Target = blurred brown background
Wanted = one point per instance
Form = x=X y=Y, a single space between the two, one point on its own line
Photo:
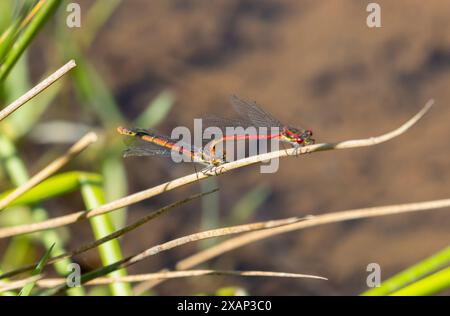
x=311 y=63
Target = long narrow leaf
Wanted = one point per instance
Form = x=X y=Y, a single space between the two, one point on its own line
x=53 y=187
x=246 y=206
x=27 y=288
x=115 y=185
x=7 y=39
x=17 y=125
x=18 y=173
x=431 y=285
x=110 y=251
x=29 y=33
x=156 y=111
x=416 y=272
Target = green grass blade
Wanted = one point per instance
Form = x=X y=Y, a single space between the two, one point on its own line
x=89 y=84
x=115 y=185
x=7 y=293
x=16 y=170
x=431 y=285
x=210 y=210
x=93 y=196
x=11 y=162
x=231 y=291
x=7 y=39
x=19 y=251
x=6 y=14
x=113 y=266
x=246 y=206
x=15 y=21
x=44 y=14
x=157 y=110
x=15 y=85
x=98 y=14
x=93 y=91
x=54 y=186
x=413 y=273
x=38 y=270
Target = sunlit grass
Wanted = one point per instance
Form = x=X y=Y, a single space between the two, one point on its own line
x=104 y=178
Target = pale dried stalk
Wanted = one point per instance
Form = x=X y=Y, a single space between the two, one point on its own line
x=308 y=221
x=245 y=239
x=145 y=194
x=12 y=285
x=37 y=89
x=109 y=237
x=52 y=282
x=179 y=242
x=206 y=235
x=50 y=169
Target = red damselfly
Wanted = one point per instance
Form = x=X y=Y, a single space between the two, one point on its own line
x=151 y=143
x=252 y=115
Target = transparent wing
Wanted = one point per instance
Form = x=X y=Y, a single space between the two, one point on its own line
x=223 y=123
x=252 y=112
x=139 y=147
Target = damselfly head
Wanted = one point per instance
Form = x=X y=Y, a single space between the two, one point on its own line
x=299 y=136
x=307 y=140
x=126 y=131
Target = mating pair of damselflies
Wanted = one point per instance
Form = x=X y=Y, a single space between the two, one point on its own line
x=151 y=143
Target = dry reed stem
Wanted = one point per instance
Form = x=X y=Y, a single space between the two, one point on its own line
x=182 y=241
x=145 y=194
x=270 y=228
x=52 y=282
x=208 y=234
x=50 y=169
x=17 y=284
x=37 y=89
x=245 y=239
x=308 y=221
x=109 y=237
